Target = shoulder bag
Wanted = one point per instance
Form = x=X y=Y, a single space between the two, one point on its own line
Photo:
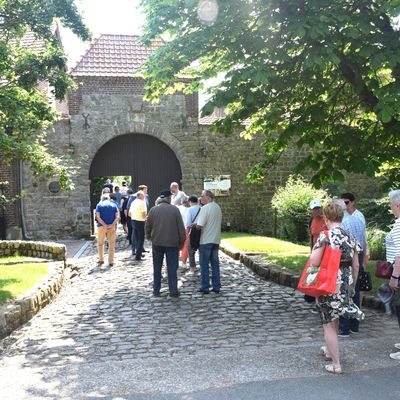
x=384 y=269
x=364 y=280
x=321 y=280
x=194 y=234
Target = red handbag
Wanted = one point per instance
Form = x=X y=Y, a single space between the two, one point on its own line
x=384 y=269
x=321 y=280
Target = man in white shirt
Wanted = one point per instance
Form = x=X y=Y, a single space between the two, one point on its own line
x=138 y=214
x=178 y=196
x=209 y=221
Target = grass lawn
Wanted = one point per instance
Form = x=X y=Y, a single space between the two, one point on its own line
x=285 y=254
x=261 y=244
x=15 y=279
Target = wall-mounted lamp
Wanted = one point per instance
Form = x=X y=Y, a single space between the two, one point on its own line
x=203 y=152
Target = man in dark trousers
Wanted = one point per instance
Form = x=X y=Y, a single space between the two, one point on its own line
x=165 y=228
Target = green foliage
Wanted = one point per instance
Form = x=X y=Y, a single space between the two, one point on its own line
x=291 y=203
x=323 y=75
x=376 y=212
x=4 y=201
x=376 y=243
x=25 y=112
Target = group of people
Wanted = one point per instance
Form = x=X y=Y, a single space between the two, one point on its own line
x=340 y=313
x=166 y=225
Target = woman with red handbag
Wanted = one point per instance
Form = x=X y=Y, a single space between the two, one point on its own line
x=340 y=303
x=393 y=254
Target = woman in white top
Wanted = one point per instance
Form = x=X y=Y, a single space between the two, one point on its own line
x=393 y=253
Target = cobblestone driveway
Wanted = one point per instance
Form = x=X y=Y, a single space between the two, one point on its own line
x=110 y=314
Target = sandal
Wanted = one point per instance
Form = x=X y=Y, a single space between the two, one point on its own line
x=332 y=369
x=324 y=351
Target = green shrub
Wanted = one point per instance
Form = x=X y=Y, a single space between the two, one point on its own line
x=376 y=243
x=376 y=212
x=291 y=203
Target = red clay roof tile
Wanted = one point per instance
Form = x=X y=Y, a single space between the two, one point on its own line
x=114 y=55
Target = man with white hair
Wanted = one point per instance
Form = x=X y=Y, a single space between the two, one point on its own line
x=107 y=218
x=178 y=196
x=209 y=221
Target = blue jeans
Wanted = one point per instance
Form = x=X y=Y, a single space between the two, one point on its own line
x=138 y=229
x=209 y=255
x=345 y=325
x=172 y=256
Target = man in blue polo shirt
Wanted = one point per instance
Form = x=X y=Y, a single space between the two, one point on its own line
x=107 y=219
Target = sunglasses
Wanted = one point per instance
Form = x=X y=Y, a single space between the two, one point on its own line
x=346 y=202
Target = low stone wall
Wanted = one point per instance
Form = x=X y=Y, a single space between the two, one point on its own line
x=15 y=313
x=282 y=276
x=48 y=250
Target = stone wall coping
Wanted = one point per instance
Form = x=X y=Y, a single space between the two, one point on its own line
x=15 y=313
x=48 y=250
x=281 y=275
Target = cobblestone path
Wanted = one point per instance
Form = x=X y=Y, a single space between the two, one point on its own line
x=106 y=330
x=110 y=313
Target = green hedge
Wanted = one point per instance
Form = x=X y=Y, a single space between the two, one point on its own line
x=291 y=203
x=376 y=243
x=376 y=212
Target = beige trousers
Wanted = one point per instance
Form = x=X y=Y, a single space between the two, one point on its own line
x=102 y=234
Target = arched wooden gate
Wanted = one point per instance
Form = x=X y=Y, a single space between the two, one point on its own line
x=145 y=158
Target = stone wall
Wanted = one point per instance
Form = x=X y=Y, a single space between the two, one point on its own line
x=19 y=311
x=48 y=250
x=114 y=107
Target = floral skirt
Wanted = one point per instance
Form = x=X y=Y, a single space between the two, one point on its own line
x=339 y=304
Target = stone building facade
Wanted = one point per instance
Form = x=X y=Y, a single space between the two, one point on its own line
x=106 y=107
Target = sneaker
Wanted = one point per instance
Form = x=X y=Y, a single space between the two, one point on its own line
x=397 y=345
x=354 y=331
x=343 y=334
x=395 y=356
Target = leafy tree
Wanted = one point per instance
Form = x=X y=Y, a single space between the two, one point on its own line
x=25 y=112
x=317 y=74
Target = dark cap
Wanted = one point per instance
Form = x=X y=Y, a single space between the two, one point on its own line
x=165 y=193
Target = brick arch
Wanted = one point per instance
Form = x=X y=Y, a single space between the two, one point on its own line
x=145 y=158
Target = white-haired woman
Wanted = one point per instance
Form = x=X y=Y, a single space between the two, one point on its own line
x=393 y=253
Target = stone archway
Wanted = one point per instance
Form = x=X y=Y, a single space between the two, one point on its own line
x=145 y=158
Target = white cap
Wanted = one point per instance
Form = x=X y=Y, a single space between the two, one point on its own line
x=314 y=204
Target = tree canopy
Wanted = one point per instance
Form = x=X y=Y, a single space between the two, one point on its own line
x=323 y=75
x=25 y=111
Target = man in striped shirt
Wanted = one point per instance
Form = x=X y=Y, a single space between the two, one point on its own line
x=354 y=223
